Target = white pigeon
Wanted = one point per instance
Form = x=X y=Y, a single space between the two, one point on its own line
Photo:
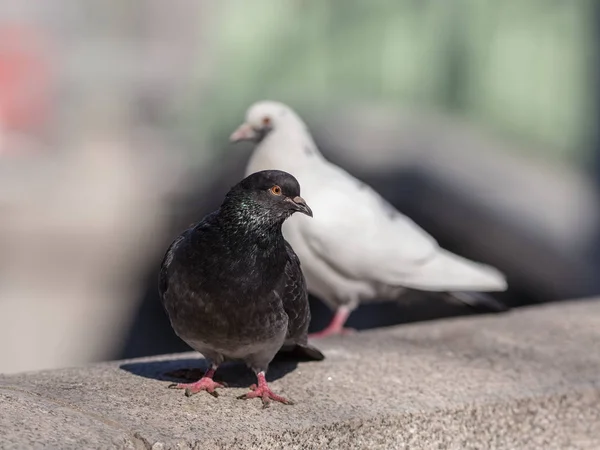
x=357 y=247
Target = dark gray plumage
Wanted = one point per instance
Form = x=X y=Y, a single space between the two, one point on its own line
x=233 y=287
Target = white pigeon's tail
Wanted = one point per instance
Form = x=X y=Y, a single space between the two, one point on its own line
x=477 y=301
x=449 y=272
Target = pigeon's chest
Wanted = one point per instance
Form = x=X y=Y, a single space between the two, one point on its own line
x=227 y=303
x=237 y=276
x=230 y=323
x=247 y=282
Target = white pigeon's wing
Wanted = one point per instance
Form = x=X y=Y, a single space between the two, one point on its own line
x=363 y=237
x=358 y=232
x=449 y=272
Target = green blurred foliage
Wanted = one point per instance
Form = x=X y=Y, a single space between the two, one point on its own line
x=519 y=67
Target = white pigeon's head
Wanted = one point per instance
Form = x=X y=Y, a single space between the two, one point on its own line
x=264 y=117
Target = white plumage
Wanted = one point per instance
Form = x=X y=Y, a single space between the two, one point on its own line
x=357 y=247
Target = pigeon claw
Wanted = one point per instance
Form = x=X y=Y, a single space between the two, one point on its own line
x=265 y=394
x=204 y=384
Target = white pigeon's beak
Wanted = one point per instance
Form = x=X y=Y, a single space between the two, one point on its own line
x=244 y=133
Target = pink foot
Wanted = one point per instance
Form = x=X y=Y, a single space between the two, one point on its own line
x=336 y=327
x=264 y=392
x=206 y=383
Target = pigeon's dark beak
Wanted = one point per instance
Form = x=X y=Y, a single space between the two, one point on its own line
x=300 y=205
x=244 y=133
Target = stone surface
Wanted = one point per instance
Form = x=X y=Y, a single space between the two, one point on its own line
x=527 y=379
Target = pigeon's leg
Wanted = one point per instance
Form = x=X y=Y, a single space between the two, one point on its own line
x=336 y=326
x=206 y=383
x=264 y=392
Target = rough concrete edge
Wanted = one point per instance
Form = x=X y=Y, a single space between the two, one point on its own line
x=375 y=431
x=129 y=436
x=515 y=417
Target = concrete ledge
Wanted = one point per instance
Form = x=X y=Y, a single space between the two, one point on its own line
x=528 y=379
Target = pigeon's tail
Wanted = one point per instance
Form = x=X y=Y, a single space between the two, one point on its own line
x=302 y=352
x=449 y=272
x=478 y=301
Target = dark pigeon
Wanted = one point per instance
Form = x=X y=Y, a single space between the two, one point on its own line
x=232 y=285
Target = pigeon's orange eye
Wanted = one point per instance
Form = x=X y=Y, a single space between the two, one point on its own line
x=276 y=190
x=266 y=121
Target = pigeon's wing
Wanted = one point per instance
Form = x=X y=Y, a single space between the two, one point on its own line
x=359 y=233
x=295 y=298
x=165 y=266
x=295 y=303
x=361 y=236
x=163 y=276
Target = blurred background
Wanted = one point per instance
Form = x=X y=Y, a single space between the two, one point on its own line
x=477 y=118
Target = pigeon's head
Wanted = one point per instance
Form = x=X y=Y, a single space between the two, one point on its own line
x=262 y=118
x=268 y=194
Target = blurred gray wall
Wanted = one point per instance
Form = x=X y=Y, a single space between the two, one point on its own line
x=477 y=118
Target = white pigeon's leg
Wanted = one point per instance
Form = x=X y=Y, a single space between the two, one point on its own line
x=206 y=383
x=264 y=392
x=336 y=326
